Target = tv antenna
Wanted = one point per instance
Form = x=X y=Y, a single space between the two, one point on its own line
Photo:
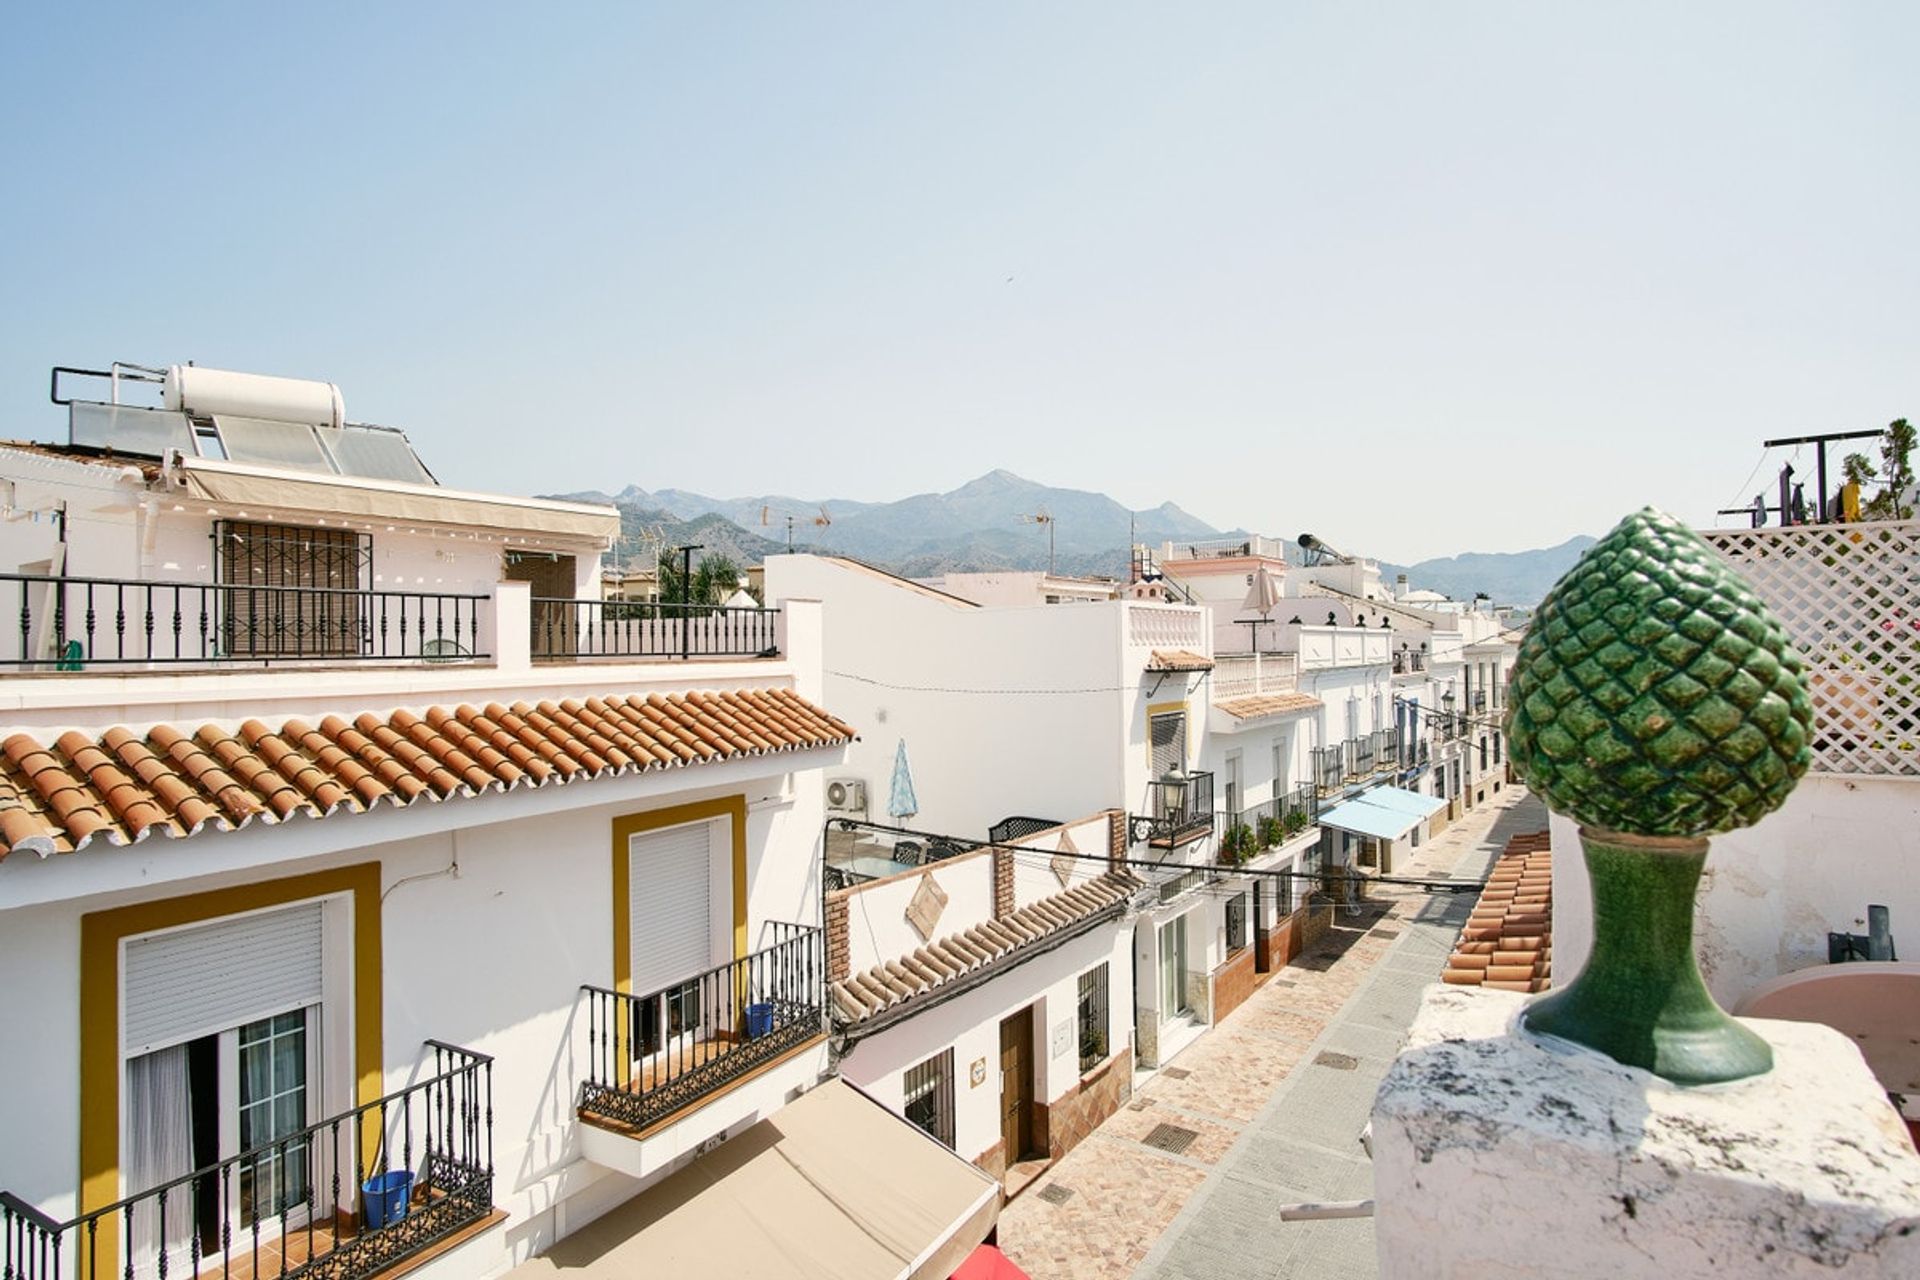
x=1042 y=517
x=820 y=521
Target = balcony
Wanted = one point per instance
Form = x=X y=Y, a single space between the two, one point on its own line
x=1243 y=675
x=1177 y=814
x=1283 y=818
x=72 y=625
x=1355 y=760
x=651 y=630
x=1409 y=662
x=351 y=1196
x=78 y=624
x=652 y=1057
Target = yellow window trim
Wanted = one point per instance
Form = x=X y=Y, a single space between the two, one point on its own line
x=625 y=828
x=101 y=933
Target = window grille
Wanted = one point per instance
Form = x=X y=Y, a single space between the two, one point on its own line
x=1093 y=1022
x=307 y=608
x=1236 y=923
x=1283 y=893
x=1169 y=734
x=929 y=1095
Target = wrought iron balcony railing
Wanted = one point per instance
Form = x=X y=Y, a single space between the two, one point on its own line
x=1283 y=818
x=72 y=624
x=345 y=1198
x=1176 y=814
x=651 y=1056
x=651 y=629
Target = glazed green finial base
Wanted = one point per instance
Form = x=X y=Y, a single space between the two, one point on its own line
x=1640 y=999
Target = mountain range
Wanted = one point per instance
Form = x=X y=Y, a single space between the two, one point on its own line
x=1001 y=521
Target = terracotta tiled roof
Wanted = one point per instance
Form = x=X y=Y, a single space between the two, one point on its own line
x=124 y=786
x=1508 y=941
x=1268 y=704
x=864 y=994
x=1178 y=660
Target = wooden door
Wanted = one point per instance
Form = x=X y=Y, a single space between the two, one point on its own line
x=1016 y=1082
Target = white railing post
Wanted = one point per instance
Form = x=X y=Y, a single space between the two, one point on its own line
x=508 y=631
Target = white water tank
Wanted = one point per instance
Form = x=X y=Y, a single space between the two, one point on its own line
x=207 y=392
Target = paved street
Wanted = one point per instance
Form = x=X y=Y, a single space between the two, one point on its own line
x=1274 y=1100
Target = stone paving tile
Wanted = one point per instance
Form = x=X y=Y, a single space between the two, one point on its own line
x=1212 y=1141
x=1123 y=1197
x=1127 y=1196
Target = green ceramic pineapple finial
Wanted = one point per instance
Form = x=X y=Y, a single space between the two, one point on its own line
x=1656 y=702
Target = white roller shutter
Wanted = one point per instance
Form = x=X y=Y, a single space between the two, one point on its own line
x=670 y=905
x=199 y=981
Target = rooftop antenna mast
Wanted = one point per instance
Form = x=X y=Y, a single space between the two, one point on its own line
x=820 y=521
x=1042 y=517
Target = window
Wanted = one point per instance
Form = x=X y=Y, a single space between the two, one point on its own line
x=1483 y=753
x=929 y=1096
x=1092 y=1018
x=1168 y=732
x=1233 y=785
x=273 y=1105
x=1496 y=746
x=1283 y=893
x=305 y=605
x=1236 y=923
x=1282 y=762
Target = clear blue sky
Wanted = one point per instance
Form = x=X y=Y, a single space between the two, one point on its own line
x=1422 y=278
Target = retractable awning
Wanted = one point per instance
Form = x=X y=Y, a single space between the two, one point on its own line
x=1384 y=813
x=833 y=1186
x=242 y=485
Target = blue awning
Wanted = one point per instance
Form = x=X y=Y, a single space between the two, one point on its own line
x=1385 y=813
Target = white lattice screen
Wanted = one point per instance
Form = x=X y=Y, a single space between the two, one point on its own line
x=1849 y=595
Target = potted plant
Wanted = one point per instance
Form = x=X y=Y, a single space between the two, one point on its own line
x=1296 y=822
x=1238 y=844
x=1271 y=831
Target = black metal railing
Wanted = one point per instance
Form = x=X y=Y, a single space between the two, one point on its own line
x=326 y=1200
x=651 y=629
x=70 y=624
x=1386 y=749
x=1176 y=814
x=652 y=1055
x=1360 y=756
x=1018 y=828
x=1276 y=821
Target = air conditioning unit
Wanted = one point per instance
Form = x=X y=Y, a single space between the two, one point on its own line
x=846 y=795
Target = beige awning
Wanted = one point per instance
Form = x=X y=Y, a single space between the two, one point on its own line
x=355 y=497
x=833 y=1187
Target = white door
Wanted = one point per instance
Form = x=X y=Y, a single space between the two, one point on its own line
x=670 y=899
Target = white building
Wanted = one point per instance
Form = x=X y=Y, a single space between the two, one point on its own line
x=371 y=892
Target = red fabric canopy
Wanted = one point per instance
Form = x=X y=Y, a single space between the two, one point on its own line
x=988 y=1263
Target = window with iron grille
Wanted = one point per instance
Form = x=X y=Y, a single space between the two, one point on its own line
x=1283 y=894
x=304 y=603
x=1169 y=737
x=1236 y=923
x=929 y=1095
x=1092 y=1018
x=1483 y=753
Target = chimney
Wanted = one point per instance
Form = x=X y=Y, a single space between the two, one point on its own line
x=1400 y=586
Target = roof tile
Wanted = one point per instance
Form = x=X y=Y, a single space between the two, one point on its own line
x=125 y=784
x=1507 y=943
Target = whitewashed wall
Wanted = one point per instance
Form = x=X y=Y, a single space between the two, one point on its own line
x=970 y=1024
x=877 y=926
x=1004 y=711
x=1773 y=891
x=491 y=959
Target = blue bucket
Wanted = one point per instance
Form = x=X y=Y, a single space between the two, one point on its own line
x=386 y=1196
x=759 y=1020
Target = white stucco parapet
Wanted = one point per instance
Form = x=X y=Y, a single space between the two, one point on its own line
x=1497 y=1153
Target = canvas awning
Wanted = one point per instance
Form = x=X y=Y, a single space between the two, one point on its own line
x=1384 y=813
x=833 y=1186
x=238 y=485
